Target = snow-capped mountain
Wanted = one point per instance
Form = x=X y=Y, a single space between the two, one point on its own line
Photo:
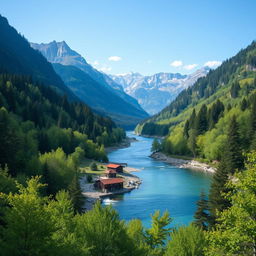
x=93 y=87
x=157 y=91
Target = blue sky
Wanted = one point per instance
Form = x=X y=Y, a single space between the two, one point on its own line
x=146 y=36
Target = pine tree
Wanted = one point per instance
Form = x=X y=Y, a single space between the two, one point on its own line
x=201 y=124
x=76 y=194
x=192 y=142
x=201 y=215
x=186 y=129
x=244 y=104
x=215 y=113
x=192 y=120
x=217 y=201
x=233 y=152
x=235 y=231
x=253 y=117
x=234 y=91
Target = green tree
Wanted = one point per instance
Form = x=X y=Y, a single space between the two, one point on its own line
x=215 y=113
x=234 y=91
x=201 y=124
x=192 y=141
x=244 y=104
x=192 y=120
x=62 y=214
x=186 y=241
x=101 y=231
x=157 y=234
x=93 y=166
x=75 y=194
x=235 y=233
x=59 y=170
x=29 y=227
x=136 y=232
x=186 y=129
x=217 y=200
x=156 y=145
x=233 y=152
x=9 y=141
x=201 y=215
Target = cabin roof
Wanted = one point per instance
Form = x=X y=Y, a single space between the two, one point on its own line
x=111 y=181
x=113 y=165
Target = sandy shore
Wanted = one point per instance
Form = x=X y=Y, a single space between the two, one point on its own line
x=92 y=196
x=124 y=144
x=181 y=163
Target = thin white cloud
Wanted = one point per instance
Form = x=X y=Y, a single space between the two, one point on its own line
x=105 y=69
x=212 y=63
x=95 y=63
x=176 y=63
x=190 y=66
x=114 y=58
x=149 y=61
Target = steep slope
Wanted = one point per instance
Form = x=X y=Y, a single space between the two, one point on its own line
x=93 y=87
x=157 y=91
x=16 y=56
x=99 y=97
x=198 y=119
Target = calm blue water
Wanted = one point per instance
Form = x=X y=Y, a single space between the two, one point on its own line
x=163 y=186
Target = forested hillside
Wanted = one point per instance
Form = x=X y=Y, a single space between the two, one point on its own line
x=17 y=56
x=101 y=98
x=35 y=119
x=197 y=122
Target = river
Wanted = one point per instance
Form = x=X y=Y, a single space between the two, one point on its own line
x=164 y=187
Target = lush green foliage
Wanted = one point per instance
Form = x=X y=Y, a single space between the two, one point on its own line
x=201 y=216
x=199 y=119
x=38 y=225
x=156 y=145
x=235 y=233
x=35 y=119
x=187 y=241
x=32 y=224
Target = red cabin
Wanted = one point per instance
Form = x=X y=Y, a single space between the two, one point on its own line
x=109 y=185
x=115 y=167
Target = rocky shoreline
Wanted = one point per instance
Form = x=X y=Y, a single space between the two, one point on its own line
x=181 y=163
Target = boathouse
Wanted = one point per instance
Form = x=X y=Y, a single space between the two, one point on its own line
x=115 y=167
x=110 y=185
x=110 y=173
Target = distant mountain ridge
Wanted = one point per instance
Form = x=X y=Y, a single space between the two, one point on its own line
x=233 y=83
x=16 y=56
x=157 y=91
x=93 y=87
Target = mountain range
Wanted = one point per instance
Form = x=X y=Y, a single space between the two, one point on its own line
x=93 y=87
x=233 y=84
x=156 y=91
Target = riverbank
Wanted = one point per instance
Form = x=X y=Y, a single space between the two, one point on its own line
x=124 y=144
x=182 y=163
x=92 y=195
